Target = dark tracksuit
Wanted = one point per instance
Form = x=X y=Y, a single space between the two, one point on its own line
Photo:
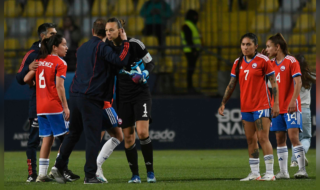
x=91 y=86
x=34 y=139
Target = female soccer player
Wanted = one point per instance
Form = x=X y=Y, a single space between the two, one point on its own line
x=52 y=107
x=308 y=78
x=288 y=77
x=251 y=69
x=134 y=100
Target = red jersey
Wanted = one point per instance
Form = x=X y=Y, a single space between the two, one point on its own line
x=48 y=101
x=254 y=93
x=285 y=72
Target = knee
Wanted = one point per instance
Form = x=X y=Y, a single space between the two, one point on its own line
x=263 y=139
x=143 y=134
x=129 y=139
x=252 y=141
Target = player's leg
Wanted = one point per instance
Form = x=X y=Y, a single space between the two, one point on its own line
x=253 y=148
x=33 y=144
x=294 y=125
x=142 y=111
x=262 y=127
x=46 y=133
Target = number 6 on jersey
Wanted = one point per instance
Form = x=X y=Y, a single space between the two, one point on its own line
x=41 y=78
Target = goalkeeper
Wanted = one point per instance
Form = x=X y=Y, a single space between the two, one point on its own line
x=133 y=100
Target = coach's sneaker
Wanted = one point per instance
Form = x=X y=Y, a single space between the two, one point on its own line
x=282 y=175
x=251 y=177
x=151 y=178
x=69 y=176
x=93 y=180
x=58 y=176
x=43 y=178
x=301 y=174
x=294 y=164
x=268 y=177
x=32 y=178
x=135 y=179
x=100 y=175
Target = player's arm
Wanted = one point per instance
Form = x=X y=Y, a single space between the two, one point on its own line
x=275 y=92
x=27 y=65
x=297 y=87
x=29 y=78
x=110 y=56
x=62 y=96
x=230 y=88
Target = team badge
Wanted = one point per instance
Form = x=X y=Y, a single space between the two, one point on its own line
x=282 y=68
x=120 y=121
x=254 y=65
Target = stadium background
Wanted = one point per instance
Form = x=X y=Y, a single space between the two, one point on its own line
x=178 y=116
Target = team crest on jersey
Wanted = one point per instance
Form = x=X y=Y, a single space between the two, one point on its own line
x=120 y=121
x=254 y=65
x=282 y=68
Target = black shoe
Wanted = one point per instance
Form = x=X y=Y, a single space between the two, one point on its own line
x=93 y=180
x=70 y=176
x=32 y=178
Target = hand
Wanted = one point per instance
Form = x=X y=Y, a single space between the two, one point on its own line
x=221 y=109
x=275 y=110
x=264 y=52
x=66 y=114
x=292 y=106
x=33 y=66
x=123 y=34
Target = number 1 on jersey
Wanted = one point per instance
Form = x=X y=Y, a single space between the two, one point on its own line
x=41 y=78
x=247 y=72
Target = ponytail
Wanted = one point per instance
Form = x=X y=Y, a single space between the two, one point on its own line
x=279 y=39
x=307 y=76
x=47 y=45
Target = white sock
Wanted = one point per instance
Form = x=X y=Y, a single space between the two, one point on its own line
x=43 y=166
x=254 y=165
x=300 y=155
x=268 y=159
x=107 y=150
x=282 y=153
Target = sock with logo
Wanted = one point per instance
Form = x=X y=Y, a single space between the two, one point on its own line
x=43 y=166
x=132 y=157
x=147 y=152
x=107 y=150
x=268 y=159
x=254 y=165
x=300 y=155
x=282 y=153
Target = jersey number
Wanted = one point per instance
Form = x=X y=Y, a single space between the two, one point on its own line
x=278 y=77
x=293 y=116
x=261 y=112
x=145 y=110
x=247 y=72
x=42 y=82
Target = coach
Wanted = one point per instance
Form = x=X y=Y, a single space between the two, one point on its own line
x=89 y=89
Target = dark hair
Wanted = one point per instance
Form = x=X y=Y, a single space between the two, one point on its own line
x=120 y=22
x=307 y=76
x=252 y=37
x=99 y=27
x=44 y=27
x=279 y=39
x=191 y=14
x=46 y=45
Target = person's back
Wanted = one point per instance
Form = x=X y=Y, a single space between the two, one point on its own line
x=48 y=101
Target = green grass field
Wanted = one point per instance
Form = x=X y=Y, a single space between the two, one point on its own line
x=208 y=169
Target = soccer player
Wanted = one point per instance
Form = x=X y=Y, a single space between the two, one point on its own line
x=308 y=78
x=134 y=100
x=252 y=69
x=51 y=98
x=288 y=77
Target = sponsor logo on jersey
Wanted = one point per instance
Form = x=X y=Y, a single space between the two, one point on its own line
x=282 y=68
x=254 y=65
x=120 y=121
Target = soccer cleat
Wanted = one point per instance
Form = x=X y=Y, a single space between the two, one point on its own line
x=58 y=175
x=51 y=175
x=43 y=178
x=301 y=174
x=268 y=177
x=32 y=178
x=282 y=175
x=251 y=177
x=100 y=175
x=294 y=164
x=135 y=179
x=69 y=176
x=93 y=180
x=151 y=178
x=306 y=161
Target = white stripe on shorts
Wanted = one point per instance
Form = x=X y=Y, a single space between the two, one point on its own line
x=111 y=116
